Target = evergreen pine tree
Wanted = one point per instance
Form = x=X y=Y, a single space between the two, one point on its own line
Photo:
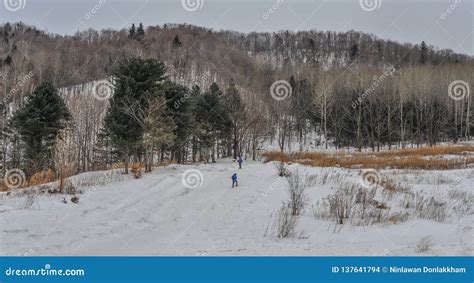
x=136 y=80
x=140 y=31
x=104 y=153
x=132 y=32
x=38 y=123
x=354 y=52
x=8 y=60
x=424 y=53
x=235 y=110
x=179 y=106
x=213 y=120
x=176 y=42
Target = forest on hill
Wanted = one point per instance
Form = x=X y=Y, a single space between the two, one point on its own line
x=181 y=93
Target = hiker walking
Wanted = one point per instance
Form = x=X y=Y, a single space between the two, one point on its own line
x=234 y=180
x=240 y=161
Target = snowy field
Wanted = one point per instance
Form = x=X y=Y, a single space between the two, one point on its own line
x=157 y=215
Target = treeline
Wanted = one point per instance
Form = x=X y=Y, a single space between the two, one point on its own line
x=149 y=119
x=337 y=49
x=375 y=107
x=197 y=57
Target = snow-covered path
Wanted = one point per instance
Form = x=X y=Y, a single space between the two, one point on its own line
x=153 y=215
x=163 y=217
x=157 y=215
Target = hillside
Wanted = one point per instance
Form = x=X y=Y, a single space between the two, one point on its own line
x=205 y=55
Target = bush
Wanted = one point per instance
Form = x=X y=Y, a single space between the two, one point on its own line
x=463 y=202
x=431 y=209
x=286 y=222
x=424 y=244
x=352 y=203
x=282 y=169
x=340 y=203
x=298 y=197
x=30 y=200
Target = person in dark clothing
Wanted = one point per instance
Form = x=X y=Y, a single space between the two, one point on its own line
x=240 y=162
x=234 y=180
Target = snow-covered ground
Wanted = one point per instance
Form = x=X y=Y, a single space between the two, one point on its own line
x=157 y=215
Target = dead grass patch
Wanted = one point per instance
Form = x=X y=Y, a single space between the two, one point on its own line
x=427 y=158
x=42 y=177
x=3 y=187
x=136 y=169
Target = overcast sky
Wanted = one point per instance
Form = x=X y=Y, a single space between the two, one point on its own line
x=443 y=23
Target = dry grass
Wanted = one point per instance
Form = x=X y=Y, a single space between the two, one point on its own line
x=3 y=187
x=412 y=158
x=136 y=169
x=430 y=151
x=42 y=177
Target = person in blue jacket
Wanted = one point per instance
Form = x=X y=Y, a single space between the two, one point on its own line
x=234 y=180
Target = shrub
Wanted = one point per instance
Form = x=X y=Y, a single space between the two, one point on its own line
x=430 y=209
x=352 y=203
x=340 y=205
x=282 y=169
x=286 y=222
x=298 y=197
x=424 y=244
x=463 y=202
x=29 y=201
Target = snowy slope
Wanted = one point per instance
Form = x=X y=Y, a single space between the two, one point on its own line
x=157 y=215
